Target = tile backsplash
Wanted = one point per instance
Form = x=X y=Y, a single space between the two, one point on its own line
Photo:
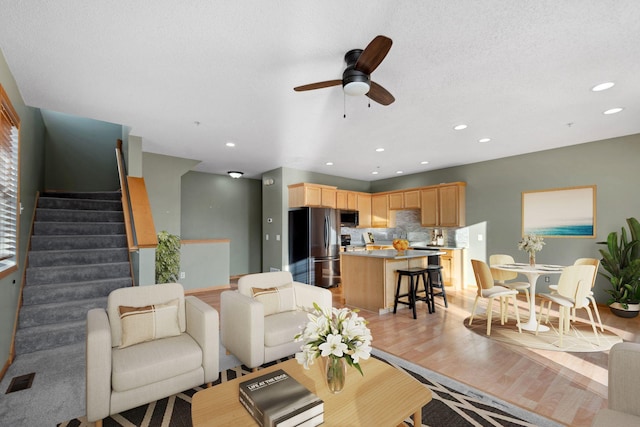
x=408 y=226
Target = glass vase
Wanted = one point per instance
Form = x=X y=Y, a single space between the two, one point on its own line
x=532 y=259
x=335 y=373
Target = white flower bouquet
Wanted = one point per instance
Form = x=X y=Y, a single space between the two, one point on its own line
x=531 y=243
x=334 y=333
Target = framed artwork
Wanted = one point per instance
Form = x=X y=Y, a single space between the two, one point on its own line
x=560 y=212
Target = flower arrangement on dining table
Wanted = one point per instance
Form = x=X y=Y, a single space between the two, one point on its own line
x=531 y=244
x=335 y=333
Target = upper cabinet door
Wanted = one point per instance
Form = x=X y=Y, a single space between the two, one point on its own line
x=396 y=200
x=379 y=210
x=412 y=199
x=451 y=199
x=364 y=210
x=429 y=207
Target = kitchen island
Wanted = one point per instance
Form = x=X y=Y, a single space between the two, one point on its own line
x=369 y=278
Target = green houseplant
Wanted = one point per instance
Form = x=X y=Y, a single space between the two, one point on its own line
x=621 y=262
x=167 y=258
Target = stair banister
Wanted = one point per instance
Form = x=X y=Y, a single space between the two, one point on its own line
x=138 y=219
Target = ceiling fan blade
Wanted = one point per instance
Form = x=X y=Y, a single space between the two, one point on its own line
x=318 y=85
x=373 y=54
x=380 y=94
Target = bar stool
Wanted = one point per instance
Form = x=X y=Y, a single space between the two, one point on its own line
x=434 y=275
x=413 y=274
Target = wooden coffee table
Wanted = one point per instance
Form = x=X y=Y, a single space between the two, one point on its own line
x=384 y=396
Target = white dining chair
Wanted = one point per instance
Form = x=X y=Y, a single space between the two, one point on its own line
x=573 y=287
x=502 y=277
x=488 y=290
x=586 y=261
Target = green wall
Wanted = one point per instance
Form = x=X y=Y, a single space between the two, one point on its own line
x=32 y=136
x=80 y=153
x=219 y=207
x=494 y=191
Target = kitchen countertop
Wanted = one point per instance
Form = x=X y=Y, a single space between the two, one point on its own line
x=393 y=254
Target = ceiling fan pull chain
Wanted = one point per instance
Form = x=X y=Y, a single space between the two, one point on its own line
x=344 y=104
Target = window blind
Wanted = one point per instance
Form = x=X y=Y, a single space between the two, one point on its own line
x=9 y=143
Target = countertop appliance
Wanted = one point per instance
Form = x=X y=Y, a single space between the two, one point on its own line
x=314 y=248
x=345 y=239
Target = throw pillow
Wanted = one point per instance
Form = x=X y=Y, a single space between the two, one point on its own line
x=276 y=299
x=140 y=324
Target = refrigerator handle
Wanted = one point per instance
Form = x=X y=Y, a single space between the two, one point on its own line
x=326 y=233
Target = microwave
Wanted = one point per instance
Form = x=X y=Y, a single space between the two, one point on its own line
x=348 y=218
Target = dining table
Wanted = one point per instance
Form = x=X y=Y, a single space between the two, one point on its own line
x=532 y=272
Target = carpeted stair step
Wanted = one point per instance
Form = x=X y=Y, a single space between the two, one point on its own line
x=81 y=204
x=46 y=337
x=56 y=228
x=98 y=195
x=74 y=215
x=61 y=292
x=43 y=243
x=76 y=273
x=58 y=312
x=76 y=257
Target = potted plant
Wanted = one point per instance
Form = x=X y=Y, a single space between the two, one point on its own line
x=167 y=258
x=621 y=262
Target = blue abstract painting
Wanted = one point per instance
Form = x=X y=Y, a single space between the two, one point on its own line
x=562 y=212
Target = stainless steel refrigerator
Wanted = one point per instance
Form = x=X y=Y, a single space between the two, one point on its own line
x=314 y=246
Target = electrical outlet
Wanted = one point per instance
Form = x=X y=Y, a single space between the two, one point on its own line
x=546 y=279
x=183 y=275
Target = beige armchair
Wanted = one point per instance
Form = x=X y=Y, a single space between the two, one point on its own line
x=150 y=343
x=624 y=387
x=261 y=318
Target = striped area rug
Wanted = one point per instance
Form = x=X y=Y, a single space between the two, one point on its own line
x=453 y=404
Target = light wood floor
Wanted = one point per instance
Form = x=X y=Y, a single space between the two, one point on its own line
x=566 y=387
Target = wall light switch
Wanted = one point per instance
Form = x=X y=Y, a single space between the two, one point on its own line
x=278 y=237
x=266 y=236
x=480 y=237
x=183 y=275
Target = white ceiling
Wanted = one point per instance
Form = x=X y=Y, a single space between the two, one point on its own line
x=518 y=72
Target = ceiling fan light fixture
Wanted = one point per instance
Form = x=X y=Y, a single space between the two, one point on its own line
x=235 y=174
x=356 y=88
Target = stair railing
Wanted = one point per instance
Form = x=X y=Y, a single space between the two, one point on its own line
x=138 y=219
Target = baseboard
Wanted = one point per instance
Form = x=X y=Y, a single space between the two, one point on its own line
x=5 y=368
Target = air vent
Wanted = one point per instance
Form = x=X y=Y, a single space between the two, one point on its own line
x=22 y=382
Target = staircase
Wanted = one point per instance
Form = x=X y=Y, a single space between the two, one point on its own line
x=78 y=256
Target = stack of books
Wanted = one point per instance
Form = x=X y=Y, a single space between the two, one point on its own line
x=278 y=400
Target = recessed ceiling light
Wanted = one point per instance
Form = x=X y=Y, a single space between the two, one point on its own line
x=230 y=144
x=379 y=150
x=484 y=140
x=613 y=110
x=399 y=172
x=374 y=173
x=424 y=163
x=460 y=127
x=329 y=163
x=603 y=86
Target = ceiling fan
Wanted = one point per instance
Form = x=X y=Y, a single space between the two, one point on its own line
x=356 y=78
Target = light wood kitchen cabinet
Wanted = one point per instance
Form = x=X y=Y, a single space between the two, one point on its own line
x=364 y=209
x=396 y=200
x=313 y=195
x=404 y=200
x=451 y=202
x=411 y=199
x=380 y=210
x=429 y=206
x=451 y=263
x=347 y=200
x=443 y=205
